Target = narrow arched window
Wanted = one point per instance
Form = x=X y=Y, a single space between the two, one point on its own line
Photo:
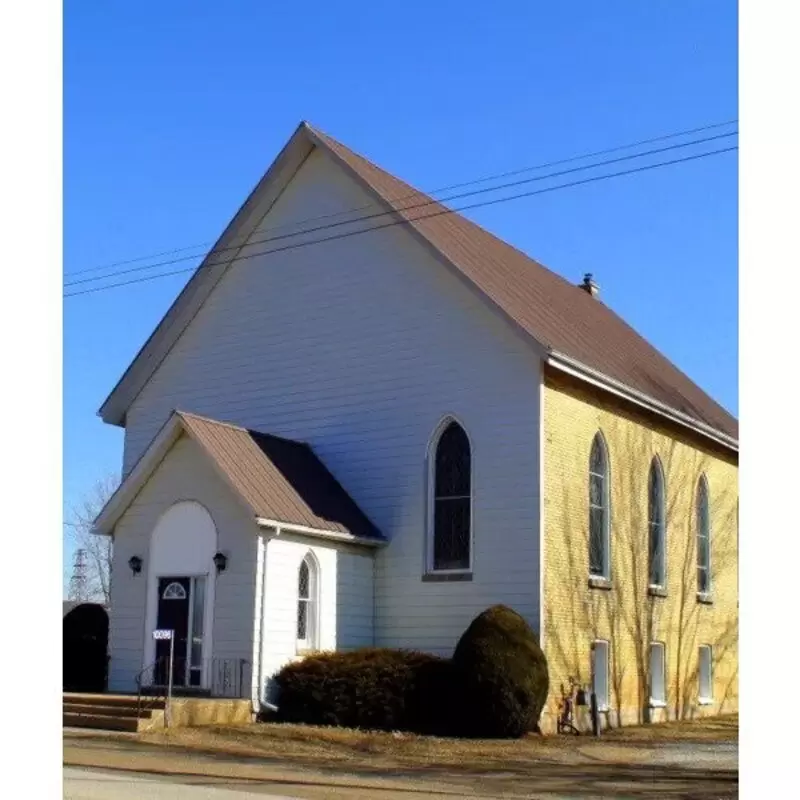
x=307 y=604
x=450 y=548
x=599 y=510
x=657 y=524
x=703 y=537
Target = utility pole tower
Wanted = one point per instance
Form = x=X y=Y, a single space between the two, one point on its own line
x=78 y=585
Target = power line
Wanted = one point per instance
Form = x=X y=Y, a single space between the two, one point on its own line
x=426 y=202
x=436 y=213
x=497 y=176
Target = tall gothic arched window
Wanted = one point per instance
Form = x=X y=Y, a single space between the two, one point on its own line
x=599 y=510
x=450 y=547
x=703 y=537
x=657 y=524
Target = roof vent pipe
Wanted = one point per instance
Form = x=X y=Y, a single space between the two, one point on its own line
x=589 y=285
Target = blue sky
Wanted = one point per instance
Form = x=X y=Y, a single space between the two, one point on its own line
x=174 y=110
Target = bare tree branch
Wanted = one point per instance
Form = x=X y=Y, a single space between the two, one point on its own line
x=98 y=549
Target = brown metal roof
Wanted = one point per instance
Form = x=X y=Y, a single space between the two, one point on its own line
x=279 y=479
x=561 y=316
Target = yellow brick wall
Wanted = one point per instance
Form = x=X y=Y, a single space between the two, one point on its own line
x=575 y=614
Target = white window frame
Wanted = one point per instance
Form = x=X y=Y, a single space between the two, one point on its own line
x=431 y=499
x=606 y=573
x=706 y=699
x=204 y=659
x=658 y=663
x=603 y=703
x=656 y=465
x=311 y=642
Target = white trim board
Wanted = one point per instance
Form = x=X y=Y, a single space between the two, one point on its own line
x=586 y=374
x=318 y=533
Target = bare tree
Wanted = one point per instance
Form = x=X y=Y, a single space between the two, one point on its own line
x=97 y=549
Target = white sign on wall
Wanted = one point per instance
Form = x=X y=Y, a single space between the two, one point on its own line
x=162 y=634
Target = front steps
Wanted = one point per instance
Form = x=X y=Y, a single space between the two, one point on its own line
x=118 y=712
x=111 y=713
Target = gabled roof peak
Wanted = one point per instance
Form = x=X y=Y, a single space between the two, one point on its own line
x=277 y=479
x=564 y=319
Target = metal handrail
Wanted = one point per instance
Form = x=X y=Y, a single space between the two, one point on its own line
x=154 y=697
x=226 y=676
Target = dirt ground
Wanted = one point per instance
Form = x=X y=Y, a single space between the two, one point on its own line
x=686 y=760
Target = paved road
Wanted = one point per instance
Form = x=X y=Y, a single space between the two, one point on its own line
x=93 y=784
x=99 y=768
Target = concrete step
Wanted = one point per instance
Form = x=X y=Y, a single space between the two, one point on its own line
x=119 y=712
x=109 y=711
x=104 y=722
x=111 y=700
x=114 y=722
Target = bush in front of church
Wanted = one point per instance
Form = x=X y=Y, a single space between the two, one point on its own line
x=371 y=688
x=495 y=686
x=502 y=676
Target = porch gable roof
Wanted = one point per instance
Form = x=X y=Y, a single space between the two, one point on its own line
x=281 y=481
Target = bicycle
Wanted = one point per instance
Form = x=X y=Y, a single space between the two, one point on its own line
x=566 y=710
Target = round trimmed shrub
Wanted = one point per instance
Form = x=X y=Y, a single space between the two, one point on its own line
x=371 y=688
x=502 y=674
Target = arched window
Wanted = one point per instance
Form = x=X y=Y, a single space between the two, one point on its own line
x=703 y=537
x=174 y=591
x=307 y=604
x=657 y=524
x=599 y=510
x=450 y=545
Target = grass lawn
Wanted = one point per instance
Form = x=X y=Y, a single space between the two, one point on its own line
x=321 y=747
x=331 y=763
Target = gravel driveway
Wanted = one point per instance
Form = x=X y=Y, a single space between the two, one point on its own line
x=719 y=755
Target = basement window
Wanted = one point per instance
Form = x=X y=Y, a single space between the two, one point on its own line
x=658 y=685
x=705 y=675
x=600 y=673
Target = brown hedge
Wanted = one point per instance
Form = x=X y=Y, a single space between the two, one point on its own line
x=371 y=688
x=494 y=686
x=502 y=674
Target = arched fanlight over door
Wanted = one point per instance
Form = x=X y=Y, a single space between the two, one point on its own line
x=174 y=591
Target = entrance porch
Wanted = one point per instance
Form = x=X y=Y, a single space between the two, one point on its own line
x=126 y=712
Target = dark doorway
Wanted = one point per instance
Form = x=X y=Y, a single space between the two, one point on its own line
x=85 y=649
x=173 y=614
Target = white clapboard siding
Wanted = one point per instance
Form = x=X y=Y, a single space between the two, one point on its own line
x=184 y=474
x=344 y=602
x=360 y=346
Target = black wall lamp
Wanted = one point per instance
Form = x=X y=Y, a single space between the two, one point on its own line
x=220 y=562
x=135 y=563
